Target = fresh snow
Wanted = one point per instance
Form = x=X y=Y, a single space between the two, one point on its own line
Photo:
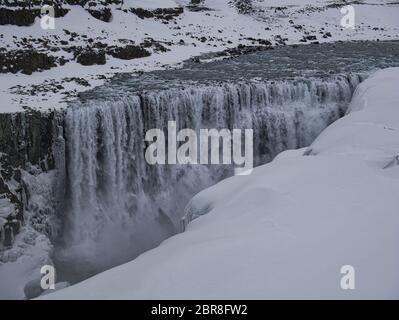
x=286 y=230
x=149 y=4
x=222 y=26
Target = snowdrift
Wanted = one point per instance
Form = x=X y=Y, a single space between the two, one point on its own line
x=286 y=230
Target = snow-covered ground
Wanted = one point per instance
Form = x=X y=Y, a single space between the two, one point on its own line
x=286 y=230
x=189 y=34
x=149 y=4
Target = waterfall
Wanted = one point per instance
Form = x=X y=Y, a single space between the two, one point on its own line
x=118 y=206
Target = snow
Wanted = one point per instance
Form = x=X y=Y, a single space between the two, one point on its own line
x=367 y=131
x=32 y=248
x=150 y=4
x=223 y=23
x=31 y=251
x=286 y=230
x=5 y=208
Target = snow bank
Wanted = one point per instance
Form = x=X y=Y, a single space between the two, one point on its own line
x=286 y=230
x=370 y=130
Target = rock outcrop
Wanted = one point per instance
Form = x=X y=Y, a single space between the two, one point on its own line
x=26 y=139
x=26 y=61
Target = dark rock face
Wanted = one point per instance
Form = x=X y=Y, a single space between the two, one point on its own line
x=23 y=13
x=263 y=42
x=243 y=6
x=25 y=16
x=24 y=138
x=311 y=38
x=197 y=8
x=101 y=14
x=161 y=13
x=90 y=57
x=22 y=17
x=77 y=2
x=157 y=46
x=27 y=137
x=196 y=2
x=129 y=52
x=25 y=61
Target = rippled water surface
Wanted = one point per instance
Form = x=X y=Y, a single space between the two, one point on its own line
x=283 y=63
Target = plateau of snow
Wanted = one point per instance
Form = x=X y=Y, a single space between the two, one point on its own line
x=222 y=25
x=286 y=230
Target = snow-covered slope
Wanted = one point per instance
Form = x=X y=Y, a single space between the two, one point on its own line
x=286 y=230
x=213 y=26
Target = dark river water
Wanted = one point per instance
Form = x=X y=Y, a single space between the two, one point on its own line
x=282 y=63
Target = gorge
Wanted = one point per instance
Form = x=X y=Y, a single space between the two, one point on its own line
x=76 y=189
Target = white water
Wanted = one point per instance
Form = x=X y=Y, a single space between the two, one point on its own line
x=118 y=206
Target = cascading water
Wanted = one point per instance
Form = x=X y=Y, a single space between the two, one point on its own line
x=119 y=206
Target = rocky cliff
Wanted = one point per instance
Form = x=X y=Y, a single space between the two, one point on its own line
x=26 y=147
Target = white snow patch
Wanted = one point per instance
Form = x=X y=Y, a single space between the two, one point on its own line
x=150 y=4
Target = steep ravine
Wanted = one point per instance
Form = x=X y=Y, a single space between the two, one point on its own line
x=77 y=180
